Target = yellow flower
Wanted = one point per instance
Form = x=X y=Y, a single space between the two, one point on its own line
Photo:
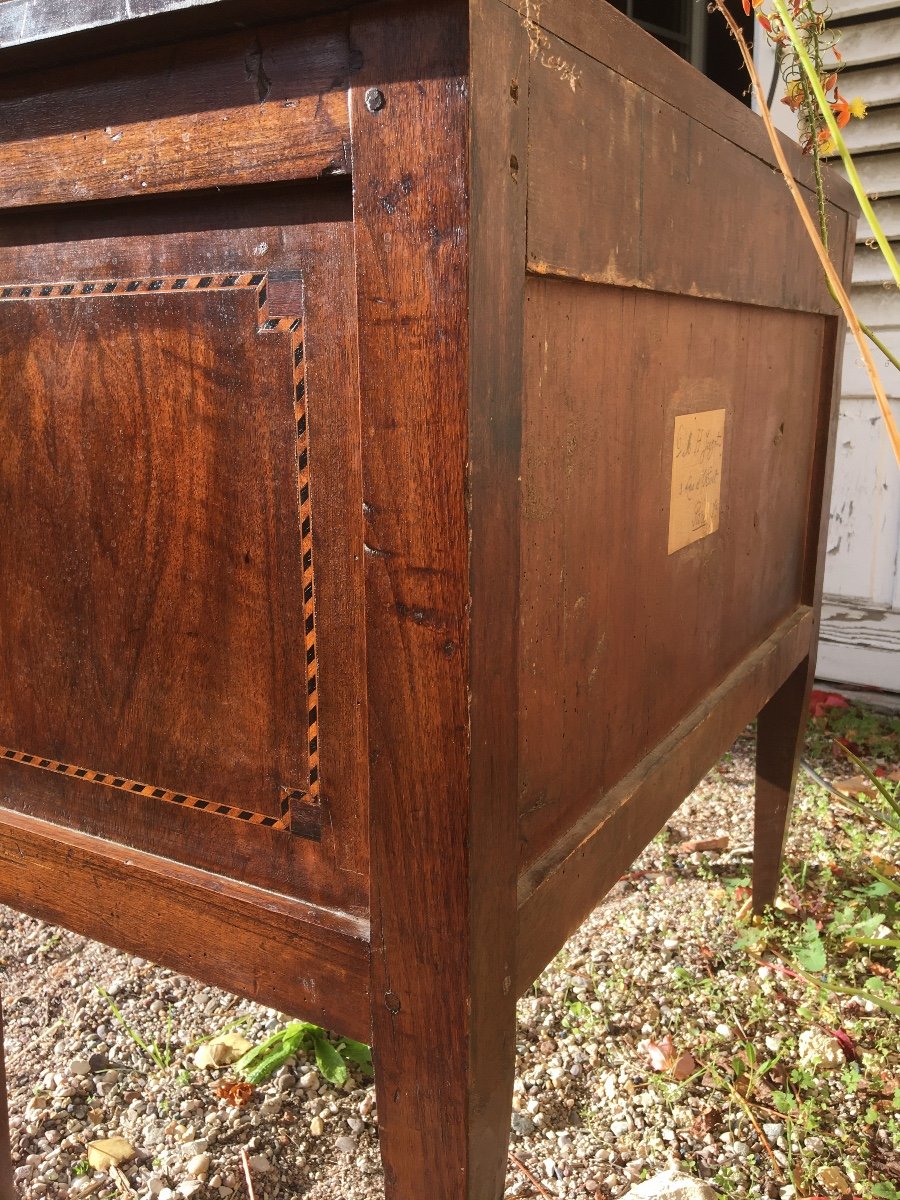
x=793 y=97
x=857 y=108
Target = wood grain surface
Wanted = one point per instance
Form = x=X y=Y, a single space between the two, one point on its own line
x=599 y=31
x=6 y=1175
x=648 y=174
x=411 y=224
x=150 y=448
x=186 y=116
x=500 y=81
x=558 y=891
x=781 y=728
x=49 y=35
x=300 y=235
x=610 y=620
x=297 y=958
x=440 y=719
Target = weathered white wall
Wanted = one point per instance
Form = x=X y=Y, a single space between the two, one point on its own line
x=860 y=641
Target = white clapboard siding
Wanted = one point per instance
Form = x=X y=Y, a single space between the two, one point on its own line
x=841 y=9
x=880 y=130
x=865 y=508
x=860 y=636
x=871 y=41
x=876 y=306
x=854 y=380
x=880 y=173
x=870 y=267
x=888 y=213
x=876 y=85
x=859 y=645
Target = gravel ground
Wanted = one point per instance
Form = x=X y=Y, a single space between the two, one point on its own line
x=661 y=956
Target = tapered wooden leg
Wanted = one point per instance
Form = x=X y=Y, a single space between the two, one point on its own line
x=780 y=733
x=443 y=1116
x=6 y=1184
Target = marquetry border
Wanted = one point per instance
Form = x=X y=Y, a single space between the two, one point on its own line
x=300 y=809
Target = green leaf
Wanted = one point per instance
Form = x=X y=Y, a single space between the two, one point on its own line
x=263 y=1067
x=752 y=937
x=329 y=1062
x=890 y=884
x=870 y=924
x=358 y=1053
x=811 y=954
x=878 y=889
x=263 y=1060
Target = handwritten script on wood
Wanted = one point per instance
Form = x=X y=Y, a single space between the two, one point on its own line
x=696 y=477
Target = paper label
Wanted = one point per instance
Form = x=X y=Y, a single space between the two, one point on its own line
x=696 y=477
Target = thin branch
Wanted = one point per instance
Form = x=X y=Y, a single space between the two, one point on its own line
x=837 y=137
x=532 y=1179
x=827 y=266
x=873 y=337
x=245 y=1163
x=729 y=1087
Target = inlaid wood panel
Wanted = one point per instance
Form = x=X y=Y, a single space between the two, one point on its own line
x=298 y=236
x=154 y=437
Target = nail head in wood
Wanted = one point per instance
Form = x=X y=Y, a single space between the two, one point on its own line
x=374 y=100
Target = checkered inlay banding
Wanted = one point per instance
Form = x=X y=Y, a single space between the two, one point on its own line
x=309 y=799
x=147 y=789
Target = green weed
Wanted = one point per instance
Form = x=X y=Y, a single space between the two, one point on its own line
x=160 y=1056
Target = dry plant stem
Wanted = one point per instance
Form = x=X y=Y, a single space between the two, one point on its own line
x=122 y=1182
x=532 y=1179
x=831 y=274
x=837 y=137
x=811 y=108
x=245 y=1163
x=764 y=1141
x=744 y=1104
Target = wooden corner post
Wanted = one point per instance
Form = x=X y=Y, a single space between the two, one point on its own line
x=6 y=1178
x=440 y=454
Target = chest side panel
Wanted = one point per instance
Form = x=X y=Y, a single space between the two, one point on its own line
x=625 y=630
x=675 y=418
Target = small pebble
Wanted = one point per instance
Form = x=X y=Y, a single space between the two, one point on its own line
x=198 y=1165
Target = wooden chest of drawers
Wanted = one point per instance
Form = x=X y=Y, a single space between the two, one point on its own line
x=414 y=421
